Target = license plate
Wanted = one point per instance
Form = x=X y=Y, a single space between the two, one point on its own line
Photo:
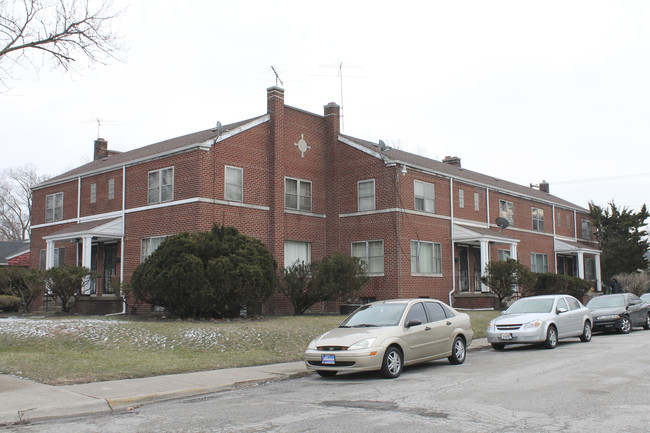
x=506 y=336
x=327 y=360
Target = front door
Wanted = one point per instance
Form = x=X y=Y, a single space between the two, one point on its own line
x=110 y=266
x=463 y=268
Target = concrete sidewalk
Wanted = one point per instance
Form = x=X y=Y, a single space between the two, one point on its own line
x=23 y=400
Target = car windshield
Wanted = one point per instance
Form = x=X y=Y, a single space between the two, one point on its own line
x=606 y=302
x=375 y=315
x=530 y=305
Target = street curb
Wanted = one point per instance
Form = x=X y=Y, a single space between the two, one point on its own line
x=129 y=403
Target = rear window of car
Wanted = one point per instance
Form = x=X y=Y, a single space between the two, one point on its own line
x=435 y=311
x=573 y=303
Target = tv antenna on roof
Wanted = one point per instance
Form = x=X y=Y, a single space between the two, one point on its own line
x=277 y=77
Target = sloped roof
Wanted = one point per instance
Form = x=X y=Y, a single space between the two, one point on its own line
x=115 y=160
x=439 y=167
x=11 y=248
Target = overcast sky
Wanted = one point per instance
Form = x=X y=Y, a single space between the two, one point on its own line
x=524 y=91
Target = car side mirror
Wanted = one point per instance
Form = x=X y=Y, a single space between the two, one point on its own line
x=562 y=310
x=414 y=322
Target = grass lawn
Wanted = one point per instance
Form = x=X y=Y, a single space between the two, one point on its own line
x=76 y=349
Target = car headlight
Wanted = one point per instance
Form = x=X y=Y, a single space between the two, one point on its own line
x=312 y=345
x=363 y=344
x=491 y=326
x=533 y=324
x=608 y=317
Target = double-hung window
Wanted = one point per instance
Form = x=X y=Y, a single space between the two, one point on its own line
x=111 y=189
x=149 y=245
x=586 y=230
x=538 y=219
x=297 y=194
x=366 y=195
x=426 y=258
x=54 y=207
x=461 y=198
x=161 y=185
x=503 y=255
x=59 y=258
x=476 y=202
x=507 y=211
x=424 y=196
x=538 y=262
x=234 y=189
x=372 y=254
x=296 y=252
x=93 y=193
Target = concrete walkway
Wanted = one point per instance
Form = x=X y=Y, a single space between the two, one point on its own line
x=23 y=400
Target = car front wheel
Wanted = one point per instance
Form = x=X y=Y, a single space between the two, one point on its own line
x=626 y=325
x=586 y=333
x=458 y=352
x=393 y=363
x=551 y=338
x=646 y=325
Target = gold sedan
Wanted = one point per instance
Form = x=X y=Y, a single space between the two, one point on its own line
x=388 y=335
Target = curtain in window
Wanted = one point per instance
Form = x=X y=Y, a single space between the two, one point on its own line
x=234 y=184
x=295 y=251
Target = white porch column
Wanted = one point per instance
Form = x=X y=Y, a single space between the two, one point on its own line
x=86 y=248
x=485 y=260
x=49 y=255
x=581 y=265
x=599 y=283
x=513 y=251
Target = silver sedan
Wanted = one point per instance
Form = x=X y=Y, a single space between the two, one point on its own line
x=541 y=319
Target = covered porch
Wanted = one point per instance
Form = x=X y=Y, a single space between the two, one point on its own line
x=98 y=246
x=578 y=260
x=473 y=249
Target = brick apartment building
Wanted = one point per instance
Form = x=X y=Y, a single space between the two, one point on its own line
x=291 y=179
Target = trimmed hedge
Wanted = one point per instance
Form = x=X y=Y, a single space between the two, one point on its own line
x=555 y=284
x=9 y=303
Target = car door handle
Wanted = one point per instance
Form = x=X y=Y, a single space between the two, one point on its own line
x=427 y=329
x=448 y=322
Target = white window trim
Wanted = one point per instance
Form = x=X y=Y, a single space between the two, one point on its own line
x=477 y=202
x=539 y=220
x=93 y=193
x=54 y=208
x=225 y=183
x=298 y=196
x=424 y=197
x=461 y=198
x=149 y=239
x=533 y=262
x=366 y=257
x=510 y=218
x=307 y=250
x=160 y=185
x=374 y=195
x=428 y=274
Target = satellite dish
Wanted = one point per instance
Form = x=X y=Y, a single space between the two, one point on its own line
x=502 y=223
x=382 y=146
x=219 y=128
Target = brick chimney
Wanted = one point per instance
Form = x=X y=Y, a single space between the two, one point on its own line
x=101 y=149
x=452 y=160
x=544 y=187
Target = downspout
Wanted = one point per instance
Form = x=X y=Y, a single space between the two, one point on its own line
x=123 y=312
x=453 y=262
x=554 y=240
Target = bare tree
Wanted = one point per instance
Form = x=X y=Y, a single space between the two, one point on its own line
x=60 y=30
x=637 y=282
x=16 y=201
